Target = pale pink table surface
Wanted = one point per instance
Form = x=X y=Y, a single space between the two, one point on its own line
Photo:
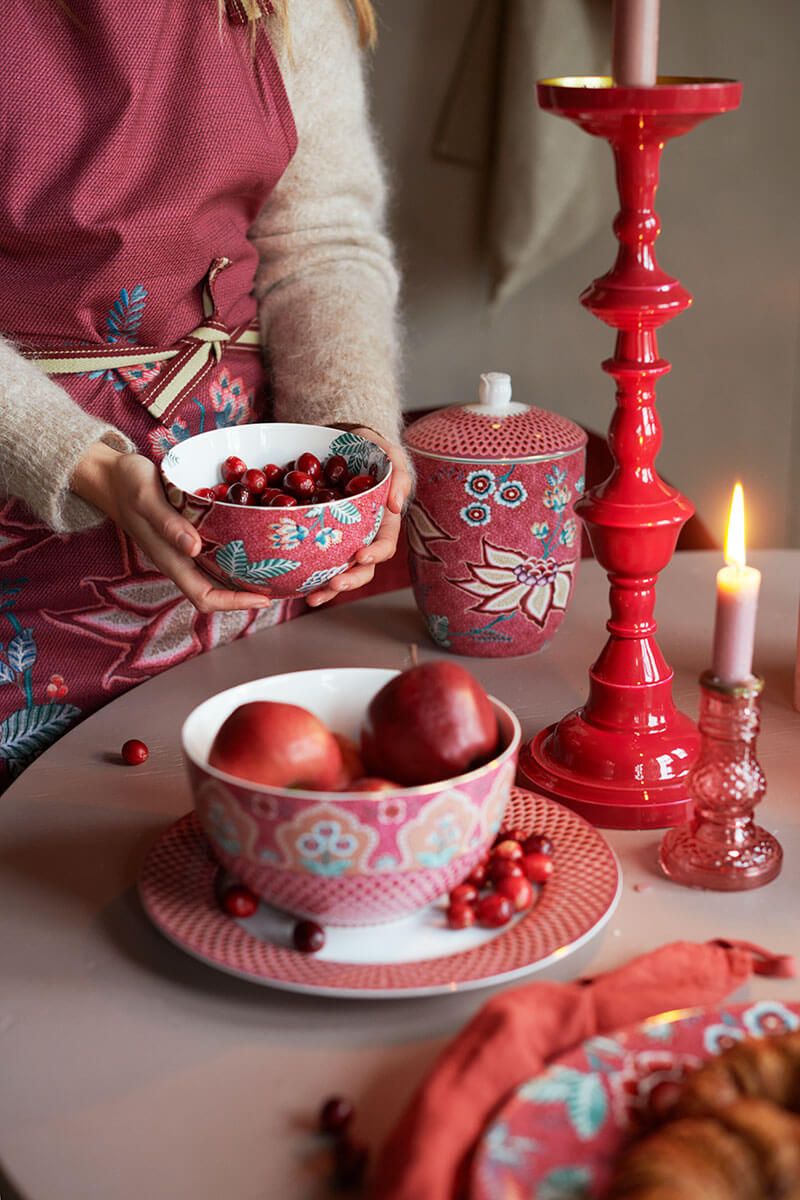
x=128 y=1071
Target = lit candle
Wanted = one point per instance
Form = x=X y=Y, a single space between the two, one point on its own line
x=737 y=602
x=635 y=49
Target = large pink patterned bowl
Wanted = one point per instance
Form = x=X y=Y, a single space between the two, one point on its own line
x=279 y=552
x=346 y=858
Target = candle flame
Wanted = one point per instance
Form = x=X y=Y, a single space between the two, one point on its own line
x=734 y=538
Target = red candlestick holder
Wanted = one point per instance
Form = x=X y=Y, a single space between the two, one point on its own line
x=623 y=759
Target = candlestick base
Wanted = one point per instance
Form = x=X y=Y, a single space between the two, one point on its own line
x=721 y=847
x=699 y=855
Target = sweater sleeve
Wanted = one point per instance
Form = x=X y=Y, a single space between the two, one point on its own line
x=43 y=436
x=327 y=284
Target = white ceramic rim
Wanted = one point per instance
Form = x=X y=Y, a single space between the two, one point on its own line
x=275 y=425
x=342 y=797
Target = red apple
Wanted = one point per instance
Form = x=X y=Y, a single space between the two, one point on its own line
x=277 y=745
x=371 y=783
x=352 y=766
x=429 y=723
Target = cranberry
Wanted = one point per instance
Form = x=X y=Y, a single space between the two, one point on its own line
x=299 y=484
x=505 y=868
x=350 y=1162
x=359 y=484
x=336 y=471
x=538 y=867
x=255 y=480
x=310 y=464
x=494 y=910
x=477 y=875
x=290 y=466
x=281 y=500
x=517 y=889
x=274 y=474
x=336 y=1114
x=233 y=469
x=508 y=849
x=206 y=493
x=537 y=843
x=324 y=495
x=239 y=494
x=220 y=491
x=465 y=893
x=308 y=937
x=460 y=916
x=239 y=901
x=514 y=835
x=269 y=494
x=134 y=752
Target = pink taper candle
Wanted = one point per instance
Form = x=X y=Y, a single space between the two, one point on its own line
x=737 y=603
x=635 y=52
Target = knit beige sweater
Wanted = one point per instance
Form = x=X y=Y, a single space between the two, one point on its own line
x=326 y=284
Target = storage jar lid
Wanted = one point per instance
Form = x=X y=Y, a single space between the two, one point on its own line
x=495 y=429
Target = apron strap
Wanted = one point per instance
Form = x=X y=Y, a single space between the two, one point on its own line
x=190 y=359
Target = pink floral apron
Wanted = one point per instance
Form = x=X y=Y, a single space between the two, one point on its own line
x=140 y=141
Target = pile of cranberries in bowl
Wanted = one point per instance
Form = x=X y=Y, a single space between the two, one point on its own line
x=304 y=480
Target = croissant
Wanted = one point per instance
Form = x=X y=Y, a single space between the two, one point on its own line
x=733 y=1134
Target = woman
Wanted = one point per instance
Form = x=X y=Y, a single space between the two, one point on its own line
x=166 y=162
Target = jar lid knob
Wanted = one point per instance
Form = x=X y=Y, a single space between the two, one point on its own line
x=495 y=390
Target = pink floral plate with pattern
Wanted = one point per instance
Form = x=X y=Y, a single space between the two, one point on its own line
x=557 y=1137
x=415 y=956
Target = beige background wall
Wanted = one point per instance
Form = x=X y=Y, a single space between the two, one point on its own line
x=729 y=208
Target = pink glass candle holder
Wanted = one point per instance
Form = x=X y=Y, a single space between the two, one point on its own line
x=721 y=847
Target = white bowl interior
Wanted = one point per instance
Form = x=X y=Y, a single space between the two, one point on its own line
x=338 y=696
x=196 y=462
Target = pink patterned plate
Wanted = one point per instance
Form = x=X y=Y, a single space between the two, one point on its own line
x=416 y=956
x=559 y=1134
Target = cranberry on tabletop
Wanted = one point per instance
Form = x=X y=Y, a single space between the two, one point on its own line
x=517 y=889
x=359 y=484
x=537 y=867
x=233 y=469
x=537 y=843
x=494 y=910
x=310 y=464
x=336 y=1114
x=135 y=752
x=239 y=494
x=255 y=480
x=308 y=937
x=239 y=901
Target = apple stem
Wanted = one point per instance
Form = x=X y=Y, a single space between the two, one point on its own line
x=413 y=654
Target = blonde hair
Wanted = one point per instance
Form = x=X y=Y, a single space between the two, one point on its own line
x=256 y=10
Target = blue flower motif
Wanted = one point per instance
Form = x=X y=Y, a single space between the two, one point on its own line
x=325 y=537
x=769 y=1017
x=476 y=514
x=439 y=629
x=386 y=862
x=580 y=485
x=480 y=484
x=540 y=530
x=511 y=494
x=717 y=1038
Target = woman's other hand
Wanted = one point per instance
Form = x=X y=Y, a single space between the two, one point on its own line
x=127 y=488
x=385 y=543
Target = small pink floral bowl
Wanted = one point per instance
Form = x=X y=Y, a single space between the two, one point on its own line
x=282 y=553
x=344 y=858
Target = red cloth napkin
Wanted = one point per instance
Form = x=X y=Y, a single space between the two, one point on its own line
x=518 y=1032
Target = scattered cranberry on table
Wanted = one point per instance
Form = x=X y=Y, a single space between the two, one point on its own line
x=239 y=901
x=308 y=937
x=336 y=1114
x=134 y=752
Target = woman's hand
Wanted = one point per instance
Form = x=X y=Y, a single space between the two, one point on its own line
x=127 y=488
x=385 y=543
